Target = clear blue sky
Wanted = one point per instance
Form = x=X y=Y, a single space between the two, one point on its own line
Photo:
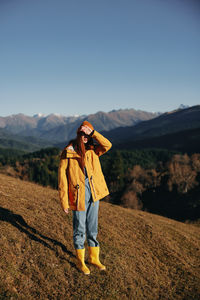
x=83 y=56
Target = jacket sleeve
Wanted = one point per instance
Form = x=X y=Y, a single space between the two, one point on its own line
x=103 y=144
x=62 y=181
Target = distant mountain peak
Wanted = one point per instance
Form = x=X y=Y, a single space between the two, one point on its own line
x=183 y=106
x=56 y=114
x=39 y=115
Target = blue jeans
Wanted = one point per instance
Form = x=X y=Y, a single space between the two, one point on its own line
x=85 y=223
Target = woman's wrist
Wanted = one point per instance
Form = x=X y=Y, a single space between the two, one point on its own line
x=91 y=134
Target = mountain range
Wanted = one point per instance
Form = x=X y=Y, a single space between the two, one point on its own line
x=55 y=128
x=179 y=126
x=128 y=129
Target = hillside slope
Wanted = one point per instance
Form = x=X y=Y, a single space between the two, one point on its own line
x=147 y=256
x=183 y=141
x=27 y=143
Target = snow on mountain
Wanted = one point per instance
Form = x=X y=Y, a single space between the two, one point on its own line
x=39 y=115
x=183 y=106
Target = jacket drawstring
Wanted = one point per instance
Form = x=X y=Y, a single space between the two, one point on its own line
x=91 y=179
x=77 y=187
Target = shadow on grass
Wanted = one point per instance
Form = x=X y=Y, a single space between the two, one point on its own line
x=18 y=221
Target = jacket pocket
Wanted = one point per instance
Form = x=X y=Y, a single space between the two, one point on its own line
x=77 y=194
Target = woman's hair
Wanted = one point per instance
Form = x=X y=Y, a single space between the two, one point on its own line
x=80 y=147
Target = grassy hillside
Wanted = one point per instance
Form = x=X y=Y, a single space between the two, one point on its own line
x=147 y=256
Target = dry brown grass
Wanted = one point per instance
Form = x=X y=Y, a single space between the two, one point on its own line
x=147 y=256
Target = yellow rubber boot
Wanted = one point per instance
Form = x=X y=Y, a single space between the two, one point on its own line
x=94 y=258
x=80 y=253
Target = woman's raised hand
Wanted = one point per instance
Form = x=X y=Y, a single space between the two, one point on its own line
x=86 y=129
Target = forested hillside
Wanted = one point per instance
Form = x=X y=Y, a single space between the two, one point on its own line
x=17 y=142
x=154 y=180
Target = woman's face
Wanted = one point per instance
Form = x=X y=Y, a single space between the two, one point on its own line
x=84 y=137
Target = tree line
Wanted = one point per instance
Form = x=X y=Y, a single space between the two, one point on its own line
x=155 y=180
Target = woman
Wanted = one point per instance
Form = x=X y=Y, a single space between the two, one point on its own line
x=81 y=185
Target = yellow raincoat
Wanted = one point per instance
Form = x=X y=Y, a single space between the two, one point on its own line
x=71 y=177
